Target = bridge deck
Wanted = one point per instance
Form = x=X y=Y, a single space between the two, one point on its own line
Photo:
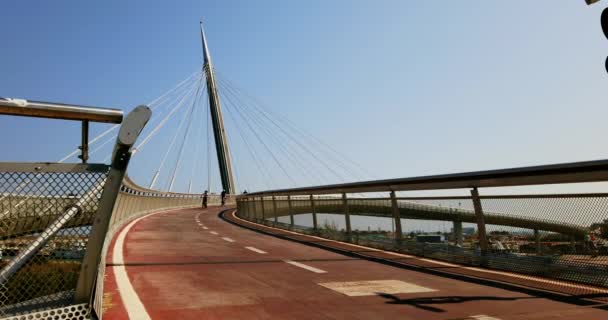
x=172 y=266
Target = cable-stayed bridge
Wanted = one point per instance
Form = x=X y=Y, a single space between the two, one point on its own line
x=305 y=233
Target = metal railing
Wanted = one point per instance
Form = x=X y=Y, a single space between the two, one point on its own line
x=54 y=217
x=559 y=236
x=57 y=220
x=28 y=108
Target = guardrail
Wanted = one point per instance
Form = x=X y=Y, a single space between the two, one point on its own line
x=38 y=109
x=559 y=236
x=54 y=217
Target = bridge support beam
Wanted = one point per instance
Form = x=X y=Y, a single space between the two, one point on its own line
x=458 y=239
x=397 y=218
x=346 y=217
x=314 y=214
x=291 y=223
x=481 y=223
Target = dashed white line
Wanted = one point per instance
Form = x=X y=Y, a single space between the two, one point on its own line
x=304 y=266
x=256 y=250
x=205 y=228
x=228 y=239
x=213 y=232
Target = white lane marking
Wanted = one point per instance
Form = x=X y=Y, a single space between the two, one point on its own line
x=256 y=250
x=205 y=228
x=483 y=317
x=213 y=232
x=304 y=266
x=532 y=278
x=133 y=305
x=227 y=239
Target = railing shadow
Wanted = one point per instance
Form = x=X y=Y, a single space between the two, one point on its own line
x=425 y=303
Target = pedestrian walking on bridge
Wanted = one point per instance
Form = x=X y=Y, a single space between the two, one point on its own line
x=205 y=199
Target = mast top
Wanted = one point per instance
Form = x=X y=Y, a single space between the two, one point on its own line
x=206 y=55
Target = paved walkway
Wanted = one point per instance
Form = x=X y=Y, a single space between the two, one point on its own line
x=190 y=264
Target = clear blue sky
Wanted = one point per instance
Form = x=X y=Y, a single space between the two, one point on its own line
x=405 y=88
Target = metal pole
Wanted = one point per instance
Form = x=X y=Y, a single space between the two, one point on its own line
x=255 y=209
x=346 y=217
x=129 y=131
x=314 y=213
x=396 y=218
x=219 y=131
x=290 y=211
x=84 y=144
x=39 y=109
x=263 y=210
x=481 y=223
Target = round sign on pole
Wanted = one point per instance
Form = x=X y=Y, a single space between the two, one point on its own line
x=604 y=21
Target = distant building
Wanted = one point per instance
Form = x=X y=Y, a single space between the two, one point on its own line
x=430 y=238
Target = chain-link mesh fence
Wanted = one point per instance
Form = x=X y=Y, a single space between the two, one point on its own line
x=45 y=215
x=559 y=236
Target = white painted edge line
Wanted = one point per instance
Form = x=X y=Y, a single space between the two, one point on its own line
x=227 y=239
x=304 y=266
x=213 y=232
x=133 y=305
x=256 y=250
x=514 y=275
